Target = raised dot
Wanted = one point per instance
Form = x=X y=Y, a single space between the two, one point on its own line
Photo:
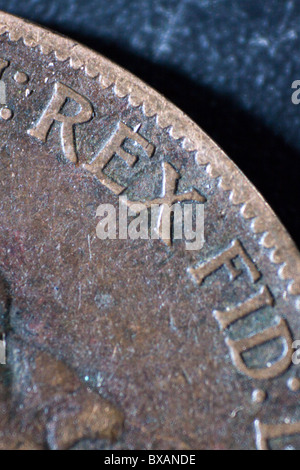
x=6 y=114
x=294 y=384
x=259 y=396
x=21 y=78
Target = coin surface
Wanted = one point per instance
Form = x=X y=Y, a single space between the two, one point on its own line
x=131 y=342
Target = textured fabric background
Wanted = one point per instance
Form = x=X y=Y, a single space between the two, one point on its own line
x=229 y=64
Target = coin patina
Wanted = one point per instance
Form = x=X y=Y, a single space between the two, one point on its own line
x=132 y=343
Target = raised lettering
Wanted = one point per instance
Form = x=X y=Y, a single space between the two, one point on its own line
x=53 y=113
x=266 y=432
x=3 y=65
x=260 y=300
x=98 y=162
x=226 y=258
x=237 y=348
x=167 y=202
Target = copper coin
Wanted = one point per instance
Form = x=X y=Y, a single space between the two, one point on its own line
x=132 y=342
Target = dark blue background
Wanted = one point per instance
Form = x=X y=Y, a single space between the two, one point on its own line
x=229 y=64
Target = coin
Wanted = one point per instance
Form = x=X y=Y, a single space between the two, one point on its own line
x=115 y=339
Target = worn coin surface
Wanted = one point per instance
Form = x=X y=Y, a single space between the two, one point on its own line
x=132 y=342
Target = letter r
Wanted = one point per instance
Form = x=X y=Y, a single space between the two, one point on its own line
x=53 y=113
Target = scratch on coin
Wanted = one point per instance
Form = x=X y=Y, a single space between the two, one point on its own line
x=79 y=300
x=235 y=412
x=116 y=369
x=89 y=244
x=172 y=323
x=186 y=376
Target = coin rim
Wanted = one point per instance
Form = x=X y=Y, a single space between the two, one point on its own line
x=263 y=221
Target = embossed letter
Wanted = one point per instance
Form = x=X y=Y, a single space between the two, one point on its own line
x=227 y=317
x=53 y=113
x=237 y=348
x=167 y=202
x=97 y=163
x=226 y=259
x=266 y=432
x=3 y=65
